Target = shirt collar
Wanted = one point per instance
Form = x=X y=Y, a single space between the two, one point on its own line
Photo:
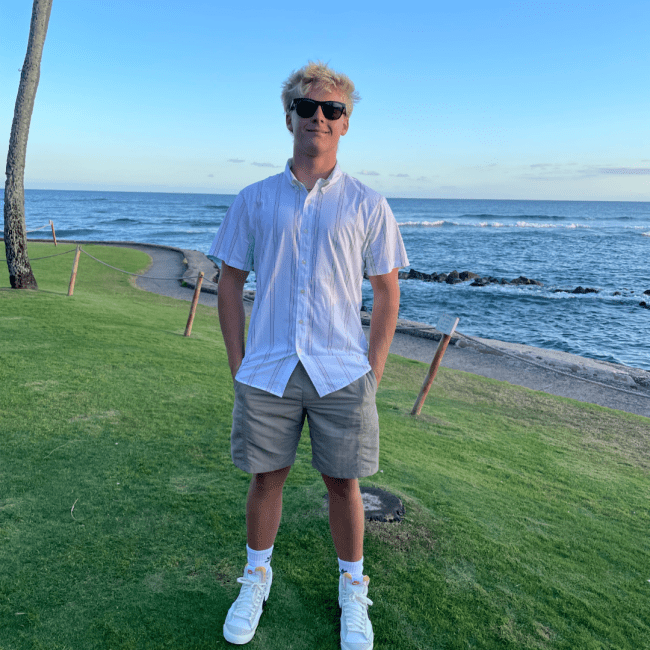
x=322 y=183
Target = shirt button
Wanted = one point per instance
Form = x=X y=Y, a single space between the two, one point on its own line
x=302 y=291
x=300 y=322
x=304 y=261
x=305 y=230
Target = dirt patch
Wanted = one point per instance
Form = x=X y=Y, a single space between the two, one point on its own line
x=401 y=536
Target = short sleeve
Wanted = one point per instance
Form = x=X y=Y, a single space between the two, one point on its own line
x=234 y=242
x=384 y=249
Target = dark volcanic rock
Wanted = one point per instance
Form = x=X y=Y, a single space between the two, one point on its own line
x=456 y=278
x=579 y=290
x=418 y=275
x=646 y=292
x=477 y=281
x=522 y=279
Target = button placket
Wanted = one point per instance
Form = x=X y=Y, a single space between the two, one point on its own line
x=304 y=271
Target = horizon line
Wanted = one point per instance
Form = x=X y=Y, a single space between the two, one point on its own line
x=387 y=196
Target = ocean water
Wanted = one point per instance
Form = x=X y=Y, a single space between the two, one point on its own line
x=563 y=244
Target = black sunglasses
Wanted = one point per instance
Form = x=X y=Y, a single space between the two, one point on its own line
x=307 y=107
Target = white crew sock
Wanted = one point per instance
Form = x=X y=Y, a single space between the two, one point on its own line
x=259 y=558
x=355 y=569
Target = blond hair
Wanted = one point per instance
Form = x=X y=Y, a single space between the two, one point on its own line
x=318 y=74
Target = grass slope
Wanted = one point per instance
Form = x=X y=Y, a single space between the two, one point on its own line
x=122 y=517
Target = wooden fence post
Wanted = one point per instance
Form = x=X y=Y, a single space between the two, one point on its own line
x=75 y=266
x=446 y=324
x=195 y=302
x=53 y=233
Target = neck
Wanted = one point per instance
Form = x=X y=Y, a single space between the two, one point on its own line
x=308 y=170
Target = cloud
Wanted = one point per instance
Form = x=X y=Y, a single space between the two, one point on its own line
x=423 y=178
x=259 y=164
x=557 y=172
x=572 y=171
x=235 y=160
x=210 y=175
x=644 y=171
x=400 y=175
x=368 y=173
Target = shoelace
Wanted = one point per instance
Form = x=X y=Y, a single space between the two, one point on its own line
x=356 y=612
x=249 y=598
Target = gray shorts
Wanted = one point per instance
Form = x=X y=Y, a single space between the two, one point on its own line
x=343 y=427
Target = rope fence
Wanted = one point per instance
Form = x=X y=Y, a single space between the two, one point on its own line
x=199 y=277
x=550 y=368
x=72 y=250
x=197 y=289
x=146 y=277
x=47 y=257
x=51 y=225
x=75 y=266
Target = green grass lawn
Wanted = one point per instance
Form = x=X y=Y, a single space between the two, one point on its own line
x=122 y=516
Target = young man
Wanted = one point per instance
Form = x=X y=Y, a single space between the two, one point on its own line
x=309 y=234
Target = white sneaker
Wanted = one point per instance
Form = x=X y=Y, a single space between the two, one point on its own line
x=244 y=614
x=356 y=629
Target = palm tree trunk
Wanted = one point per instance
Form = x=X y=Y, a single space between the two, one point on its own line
x=15 y=238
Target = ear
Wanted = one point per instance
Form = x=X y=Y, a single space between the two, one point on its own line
x=346 y=126
x=289 y=122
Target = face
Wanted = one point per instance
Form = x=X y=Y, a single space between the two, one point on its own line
x=317 y=136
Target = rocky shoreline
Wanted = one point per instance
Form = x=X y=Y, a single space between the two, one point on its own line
x=454 y=277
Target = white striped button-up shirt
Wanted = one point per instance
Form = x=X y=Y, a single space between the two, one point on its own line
x=309 y=251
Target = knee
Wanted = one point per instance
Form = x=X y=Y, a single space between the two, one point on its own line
x=341 y=488
x=269 y=481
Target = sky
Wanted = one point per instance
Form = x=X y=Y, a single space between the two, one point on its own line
x=479 y=99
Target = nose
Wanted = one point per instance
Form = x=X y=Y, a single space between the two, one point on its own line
x=318 y=115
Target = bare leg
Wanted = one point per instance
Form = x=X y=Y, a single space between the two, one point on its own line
x=346 y=517
x=264 y=508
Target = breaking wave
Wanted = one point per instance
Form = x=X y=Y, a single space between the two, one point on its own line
x=486 y=224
